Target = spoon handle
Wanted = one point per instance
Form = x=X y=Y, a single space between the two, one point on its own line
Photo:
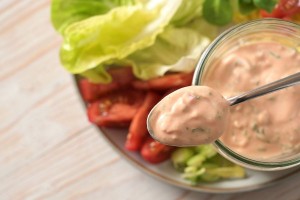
x=265 y=89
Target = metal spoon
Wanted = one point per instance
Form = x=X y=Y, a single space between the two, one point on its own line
x=288 y=81
x=260 y=91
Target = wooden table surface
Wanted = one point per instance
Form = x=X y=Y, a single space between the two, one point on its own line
x=48 y=150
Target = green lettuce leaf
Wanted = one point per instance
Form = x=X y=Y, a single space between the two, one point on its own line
x=100 y=40
x=66 y=12
x=153 y=37
x=177 y=49
x=188 y=11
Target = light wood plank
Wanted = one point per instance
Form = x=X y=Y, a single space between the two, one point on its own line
x=48 y=150
x=92 y=169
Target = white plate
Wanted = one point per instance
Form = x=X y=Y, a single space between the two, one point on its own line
x=165 y=172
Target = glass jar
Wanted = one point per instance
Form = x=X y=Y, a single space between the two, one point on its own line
x=251 y=33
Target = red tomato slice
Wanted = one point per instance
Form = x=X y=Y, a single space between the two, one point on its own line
x=138 y=128
x=289 y=7
x=155 y=152
x=115 y=109
x=284 y=9
x=166 y=82
x=91 y=91
x=276 y=13
x=121 y=78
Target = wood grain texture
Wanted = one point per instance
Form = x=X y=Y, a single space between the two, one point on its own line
x=48 y=150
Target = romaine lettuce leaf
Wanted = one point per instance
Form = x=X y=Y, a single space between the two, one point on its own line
x=100 y=40
x=66 y=12
x=152 y=36
x=177 y=49
x=188 y=11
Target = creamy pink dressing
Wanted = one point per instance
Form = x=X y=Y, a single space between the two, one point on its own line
x=190 y=116
x=269 y=126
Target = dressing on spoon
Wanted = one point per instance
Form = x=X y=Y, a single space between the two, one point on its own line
x=189 y=116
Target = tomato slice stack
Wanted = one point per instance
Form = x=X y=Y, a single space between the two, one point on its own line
x=126 y=102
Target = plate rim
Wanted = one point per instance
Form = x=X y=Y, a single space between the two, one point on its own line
x=157 y=176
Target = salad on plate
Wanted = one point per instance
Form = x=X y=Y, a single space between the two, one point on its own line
x=129 y=54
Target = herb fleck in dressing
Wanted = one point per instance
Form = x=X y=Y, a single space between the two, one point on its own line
x=269 y=121
x=191 y=116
